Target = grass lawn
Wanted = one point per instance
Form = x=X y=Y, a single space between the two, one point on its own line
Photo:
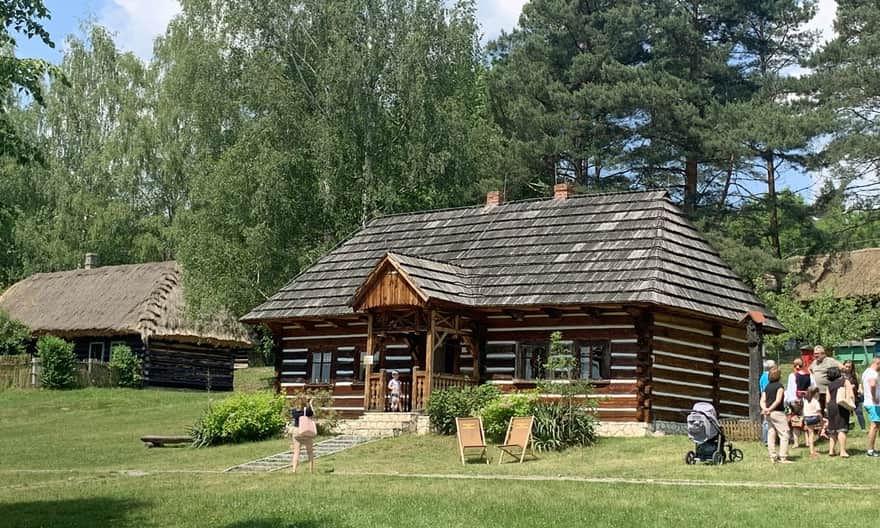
x=74 y=459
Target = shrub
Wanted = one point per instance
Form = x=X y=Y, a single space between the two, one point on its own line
x=126 y=366
x=445 y=405
x=240 y=418
x=497 y=413
x=559 y=426
x=13 y=335
x=58 y=364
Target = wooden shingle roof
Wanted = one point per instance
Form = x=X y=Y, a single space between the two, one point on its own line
x=618 y=248
x=142 y=299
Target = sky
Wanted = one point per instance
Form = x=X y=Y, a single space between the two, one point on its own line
x=136 y=23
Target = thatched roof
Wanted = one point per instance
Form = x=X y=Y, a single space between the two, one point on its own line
x=144 y=299
x=610 y=249
x=848 y=274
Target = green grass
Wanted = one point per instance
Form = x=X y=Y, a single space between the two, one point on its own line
x=254 y=379
x=74 y=459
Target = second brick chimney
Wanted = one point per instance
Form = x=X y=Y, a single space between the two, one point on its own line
x=563 y=191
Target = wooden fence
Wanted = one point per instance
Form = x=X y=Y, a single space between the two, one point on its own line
x=23 y=372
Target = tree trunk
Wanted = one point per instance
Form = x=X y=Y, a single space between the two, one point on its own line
x=772 y=206
x=690 y=186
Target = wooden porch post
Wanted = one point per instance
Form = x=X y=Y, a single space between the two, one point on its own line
x=429 y=355
x=755 y=343
x=368 y=368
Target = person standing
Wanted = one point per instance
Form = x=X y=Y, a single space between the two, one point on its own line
x=773 y=409
x=849 y=371
x=872 y=403
x=394 y=389
x=819 y=369
x=304 y=432
x=762 y=384
x=838 y=415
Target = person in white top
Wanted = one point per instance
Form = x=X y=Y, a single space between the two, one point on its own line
x=872 y=403
x=394 y=388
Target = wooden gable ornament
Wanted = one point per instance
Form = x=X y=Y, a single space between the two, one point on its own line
x=388 y=285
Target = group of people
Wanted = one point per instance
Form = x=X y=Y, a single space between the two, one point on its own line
x=819 y=401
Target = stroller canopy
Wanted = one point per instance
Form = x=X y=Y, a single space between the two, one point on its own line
x=702 y=423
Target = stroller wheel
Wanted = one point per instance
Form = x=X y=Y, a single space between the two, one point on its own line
x=718 y=458
x=690 y=458
x=736 y=455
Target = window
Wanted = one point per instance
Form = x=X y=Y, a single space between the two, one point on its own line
x=321 y=367
x=530 y=360
x=562 y=374
x=594 y=360
x=96 y=352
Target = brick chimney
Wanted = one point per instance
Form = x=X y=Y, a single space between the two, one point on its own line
x=493 y=198
x=91 y=261
x=563 y=191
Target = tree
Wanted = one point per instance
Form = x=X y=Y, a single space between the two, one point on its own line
x=776 y=124
x=847 y=82
x=95 y=189
x=305 y=121
x=20 y=76
x=825 y=320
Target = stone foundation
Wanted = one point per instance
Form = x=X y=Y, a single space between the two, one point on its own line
x=664 y=427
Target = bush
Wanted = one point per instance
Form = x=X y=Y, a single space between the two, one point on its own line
x=13 y=335
x=240 y=418
x=58 y=364
x=445 y=405
x=497 y=413
x=559 y=425
x=126 y=366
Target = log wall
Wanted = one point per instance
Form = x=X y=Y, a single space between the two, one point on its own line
x=696 y=361
x=616 y=396
x=188 y=366
x=345 y=339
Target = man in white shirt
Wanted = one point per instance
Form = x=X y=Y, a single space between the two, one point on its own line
x=872 y=403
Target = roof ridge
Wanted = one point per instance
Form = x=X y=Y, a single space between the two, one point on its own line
x=149 y=317
x=434 y=260
x=517 y=202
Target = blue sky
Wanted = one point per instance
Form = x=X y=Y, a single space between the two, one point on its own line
x=137 y=22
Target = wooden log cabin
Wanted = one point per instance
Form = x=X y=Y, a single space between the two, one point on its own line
x=656 y=320
x=139 y=305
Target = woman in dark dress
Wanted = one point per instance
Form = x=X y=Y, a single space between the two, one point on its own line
x=838 y=417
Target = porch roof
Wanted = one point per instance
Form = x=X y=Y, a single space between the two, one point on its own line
x=618 y=248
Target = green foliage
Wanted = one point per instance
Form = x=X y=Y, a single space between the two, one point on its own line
x=14 y=335
x=240 y=418
x=57 y=363
x=445 y=406
x=562 y=424
x=824 y=320
x=126 y=366
x=497 y=413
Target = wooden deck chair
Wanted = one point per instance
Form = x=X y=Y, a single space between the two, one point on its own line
x=471 y=437
x=519 y=438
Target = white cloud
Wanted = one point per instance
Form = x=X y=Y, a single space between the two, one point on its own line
x=824 y=19
x=138 y=22
x=495 y=15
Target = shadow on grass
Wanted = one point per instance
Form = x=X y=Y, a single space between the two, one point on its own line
x=277 y=522
x=95 y=511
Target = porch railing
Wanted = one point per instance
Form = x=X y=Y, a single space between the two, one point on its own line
x=379 y=398
x=421 y=388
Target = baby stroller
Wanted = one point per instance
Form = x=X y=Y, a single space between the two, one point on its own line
x=708 y=436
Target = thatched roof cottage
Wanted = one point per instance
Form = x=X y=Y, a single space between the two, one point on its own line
x=141 y=305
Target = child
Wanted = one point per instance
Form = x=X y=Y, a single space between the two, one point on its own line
x=812 y=414
x=394 y=388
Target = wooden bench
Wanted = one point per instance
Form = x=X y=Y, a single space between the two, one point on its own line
x=161 y=441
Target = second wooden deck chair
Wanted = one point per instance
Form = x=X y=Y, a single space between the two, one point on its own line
x=519 y=438
x=471 y=437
